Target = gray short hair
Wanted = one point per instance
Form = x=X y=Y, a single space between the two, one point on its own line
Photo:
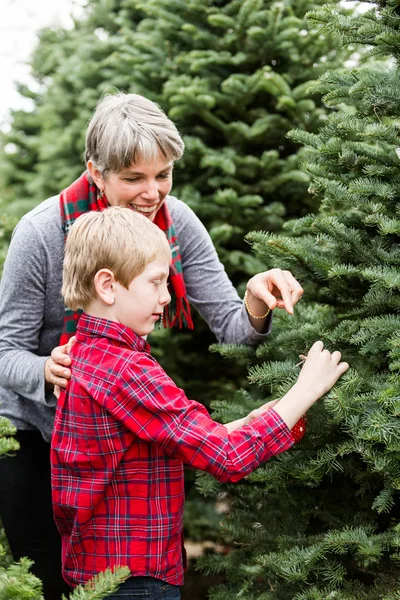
x=128 y=128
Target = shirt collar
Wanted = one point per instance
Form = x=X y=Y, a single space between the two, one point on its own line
x=98 y=327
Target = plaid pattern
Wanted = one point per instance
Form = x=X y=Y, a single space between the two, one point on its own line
x=81 y=197
x=121 y=435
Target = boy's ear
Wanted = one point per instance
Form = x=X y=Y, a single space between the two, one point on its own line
x=104 y=283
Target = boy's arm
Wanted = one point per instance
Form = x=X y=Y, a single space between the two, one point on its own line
x=150 y=405
x=233 y=425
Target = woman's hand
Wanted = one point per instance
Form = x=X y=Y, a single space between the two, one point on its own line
x=56 y=368
x=273 y=289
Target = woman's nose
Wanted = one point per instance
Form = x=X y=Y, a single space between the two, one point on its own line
x=150 y=191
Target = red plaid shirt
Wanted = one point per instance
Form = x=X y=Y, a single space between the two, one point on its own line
x=122 y=433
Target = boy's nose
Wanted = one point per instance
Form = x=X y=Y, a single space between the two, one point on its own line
x=165 y=298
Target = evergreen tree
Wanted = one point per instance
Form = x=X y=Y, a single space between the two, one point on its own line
x=323 y=520
x=233 y=76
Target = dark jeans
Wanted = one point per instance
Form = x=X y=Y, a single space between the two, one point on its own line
x=27 y=513
x=147 y=588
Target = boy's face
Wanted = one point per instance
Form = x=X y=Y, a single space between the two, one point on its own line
x=142 y=305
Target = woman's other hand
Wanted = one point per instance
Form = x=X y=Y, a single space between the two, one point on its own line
x=56 y=369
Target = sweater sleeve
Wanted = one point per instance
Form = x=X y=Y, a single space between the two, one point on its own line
x=22 y=292
x=208 y=287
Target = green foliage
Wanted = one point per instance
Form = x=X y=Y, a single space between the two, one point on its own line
x=323 y=520
x=101 y=585
x=7 y=443
x=235 y=76
x=7 y=224
x=16 y=582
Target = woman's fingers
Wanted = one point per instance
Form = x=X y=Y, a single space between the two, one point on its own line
x=276 y=288
x=295 y=287
x=60 y=356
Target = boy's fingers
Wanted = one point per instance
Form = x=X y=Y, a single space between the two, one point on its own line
x=343 y=367
x=316 y=348
x=336 y=356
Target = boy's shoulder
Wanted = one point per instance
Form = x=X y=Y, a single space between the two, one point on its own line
x=111 y=362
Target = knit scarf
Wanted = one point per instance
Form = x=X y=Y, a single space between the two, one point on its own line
x=81 y=197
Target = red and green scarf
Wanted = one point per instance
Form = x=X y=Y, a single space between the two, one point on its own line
x=81 y=197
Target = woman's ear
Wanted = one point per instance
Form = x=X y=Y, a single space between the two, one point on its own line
x=95 y=174
x=104 y=283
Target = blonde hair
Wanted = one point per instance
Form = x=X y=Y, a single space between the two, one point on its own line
x=128 y=128
x=117 y=239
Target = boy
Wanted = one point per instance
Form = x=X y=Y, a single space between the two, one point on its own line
x=123 y=430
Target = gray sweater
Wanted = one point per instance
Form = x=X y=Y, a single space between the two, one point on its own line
x=32 y=310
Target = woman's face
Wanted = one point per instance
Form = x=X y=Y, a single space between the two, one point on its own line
x=142 y=186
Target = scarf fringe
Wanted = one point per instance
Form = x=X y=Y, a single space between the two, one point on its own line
x=178 y=313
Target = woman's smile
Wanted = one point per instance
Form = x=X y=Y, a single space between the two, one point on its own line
x=145 y=210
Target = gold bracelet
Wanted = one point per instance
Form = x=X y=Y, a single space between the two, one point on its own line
x=251 y=313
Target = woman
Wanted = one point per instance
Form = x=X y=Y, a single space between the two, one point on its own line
x=131 y=147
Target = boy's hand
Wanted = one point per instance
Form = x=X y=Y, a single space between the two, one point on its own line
x=56 y=369
x=319 y=373
x=321 y=370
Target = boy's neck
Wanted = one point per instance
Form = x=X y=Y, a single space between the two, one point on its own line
x=98 y=309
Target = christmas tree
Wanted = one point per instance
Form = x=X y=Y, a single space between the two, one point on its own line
x=234 y=77
x=323 y=520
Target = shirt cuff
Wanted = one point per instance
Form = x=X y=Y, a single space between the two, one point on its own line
x=272 y=423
